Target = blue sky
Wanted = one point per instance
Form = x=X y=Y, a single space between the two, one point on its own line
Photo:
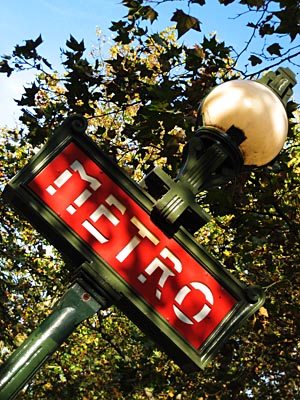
x=55 y=20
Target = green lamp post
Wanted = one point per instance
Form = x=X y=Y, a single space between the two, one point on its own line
x=240 y=123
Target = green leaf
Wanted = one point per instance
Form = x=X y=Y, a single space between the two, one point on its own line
x=37 y=41
x=274 y=49
x=200 y=2
x=253 y=3
x=123 y=32
x=226 y=2
x=74 y=45
x=266 y=29
x=28 y=99
x=29 y=49
x=254 y=60
x=117 y=25
x=289 y=21
x=159 y=40
x=185 y=22
x=148 y=12
x=5 y=68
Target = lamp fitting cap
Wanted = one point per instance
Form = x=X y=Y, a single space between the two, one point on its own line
x=281 y=82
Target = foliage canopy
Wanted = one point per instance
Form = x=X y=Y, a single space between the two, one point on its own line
x=141 y=103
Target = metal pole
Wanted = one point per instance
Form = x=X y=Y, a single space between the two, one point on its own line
x=75 y=306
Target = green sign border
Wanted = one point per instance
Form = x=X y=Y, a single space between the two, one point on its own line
x=102 y=276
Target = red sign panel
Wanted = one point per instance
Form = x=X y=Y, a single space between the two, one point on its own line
x=123 y=235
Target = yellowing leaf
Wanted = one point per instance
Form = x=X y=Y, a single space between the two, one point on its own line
x=263 y=312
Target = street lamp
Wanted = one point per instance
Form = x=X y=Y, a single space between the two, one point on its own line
x=242 y=123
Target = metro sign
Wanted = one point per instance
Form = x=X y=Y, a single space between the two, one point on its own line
x=92 y=212
x=123 y=235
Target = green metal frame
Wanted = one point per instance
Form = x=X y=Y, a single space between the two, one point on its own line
x=102 y=277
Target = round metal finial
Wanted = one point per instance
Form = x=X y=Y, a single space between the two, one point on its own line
x=78 y=123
